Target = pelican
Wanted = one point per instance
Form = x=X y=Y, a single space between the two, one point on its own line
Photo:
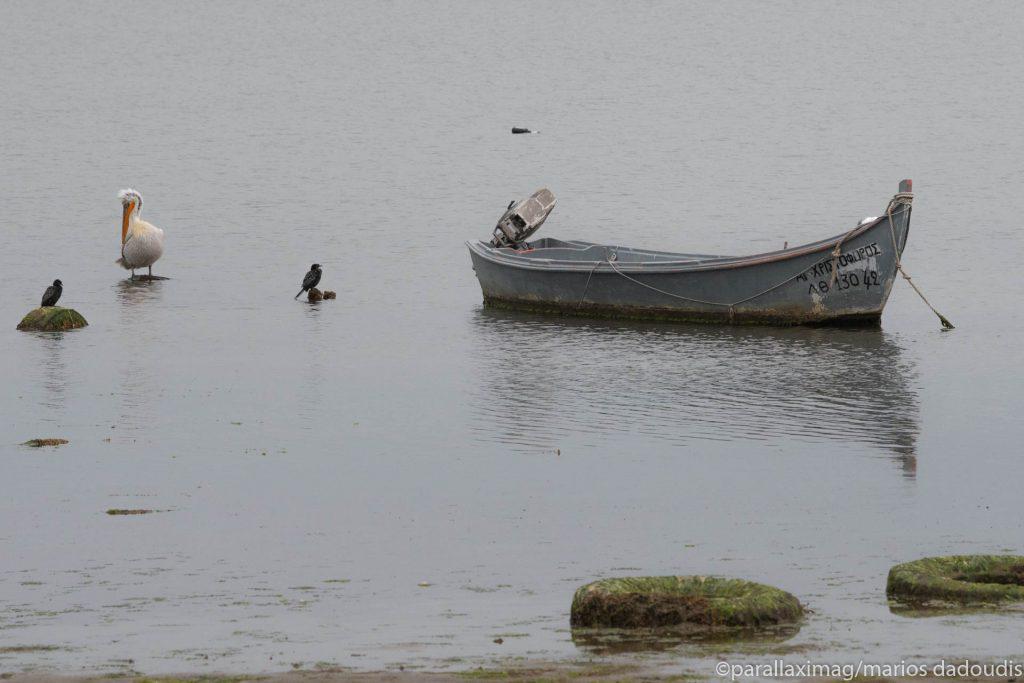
x=142 y=243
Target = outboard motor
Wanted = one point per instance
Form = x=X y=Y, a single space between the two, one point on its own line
x=523 y=218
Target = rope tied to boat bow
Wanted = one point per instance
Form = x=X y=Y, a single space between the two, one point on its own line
x=907 y=198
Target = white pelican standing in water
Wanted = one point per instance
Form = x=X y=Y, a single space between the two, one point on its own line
x=142 y=243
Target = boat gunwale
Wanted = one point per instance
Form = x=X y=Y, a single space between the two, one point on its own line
x=717 y=263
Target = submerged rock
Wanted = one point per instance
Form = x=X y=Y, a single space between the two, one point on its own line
x=653 y=601
x=39 y=443
x=52 y=319
x=314 y=294
x=959 y=578
x=516 y=130
x=117 y=511
x=328 y=294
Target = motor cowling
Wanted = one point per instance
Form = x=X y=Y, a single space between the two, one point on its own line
x=523 y=218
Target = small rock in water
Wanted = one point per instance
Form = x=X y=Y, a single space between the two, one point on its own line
x=424 y=584
x=520 y=131
x=115 y=511
x=315 y=294
x=499 y=641
x=52 y=319
x=39 y=443
x=328 y=294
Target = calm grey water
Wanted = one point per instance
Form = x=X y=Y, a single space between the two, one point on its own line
x=318 y=462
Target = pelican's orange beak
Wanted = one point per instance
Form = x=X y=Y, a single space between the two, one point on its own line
x=126 y=214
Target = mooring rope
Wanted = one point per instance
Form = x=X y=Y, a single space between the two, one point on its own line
x=587 y=288
x=905 y=198
x=838 y=251
x=701 y=301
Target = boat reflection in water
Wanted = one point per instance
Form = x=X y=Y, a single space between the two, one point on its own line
x=547 y=379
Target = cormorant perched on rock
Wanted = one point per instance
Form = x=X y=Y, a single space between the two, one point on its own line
x=311 y=280
x=52 y=295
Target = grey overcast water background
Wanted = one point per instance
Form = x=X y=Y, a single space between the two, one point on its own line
x=316 y=463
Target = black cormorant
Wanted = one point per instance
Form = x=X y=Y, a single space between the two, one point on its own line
x=52 y=294
x=311 y=280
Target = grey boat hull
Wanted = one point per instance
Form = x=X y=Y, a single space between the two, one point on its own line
x=810 y=284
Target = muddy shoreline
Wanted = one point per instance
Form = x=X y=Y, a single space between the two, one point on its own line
x=523 y=672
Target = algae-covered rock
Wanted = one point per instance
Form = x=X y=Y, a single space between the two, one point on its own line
x=959 y=578
x=52 y=319
x=315 y=294
x=328 y=294
x=653 y=601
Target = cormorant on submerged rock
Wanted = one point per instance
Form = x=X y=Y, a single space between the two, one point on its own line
x=52 y=295
x=311 y=280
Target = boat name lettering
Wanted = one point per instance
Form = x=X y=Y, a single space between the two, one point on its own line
x=819 y=278
x=825 y=267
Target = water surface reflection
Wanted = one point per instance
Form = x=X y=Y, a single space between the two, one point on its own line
x=54 y=368
x=546 y=377
x=141 y=352
x=603 y=642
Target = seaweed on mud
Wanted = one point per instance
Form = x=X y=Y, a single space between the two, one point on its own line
x=39 y=443
x=10 y=649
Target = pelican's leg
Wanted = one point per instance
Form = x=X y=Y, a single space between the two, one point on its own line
x=151 y=272
x=133 y=273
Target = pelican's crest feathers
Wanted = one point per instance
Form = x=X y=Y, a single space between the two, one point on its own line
x=126 y=195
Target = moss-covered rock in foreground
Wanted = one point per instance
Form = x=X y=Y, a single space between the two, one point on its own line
x=959 y=578
x=653 y=601
x=52 y=319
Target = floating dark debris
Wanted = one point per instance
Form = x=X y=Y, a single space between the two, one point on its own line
x=124 y=511
x=520 y=131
